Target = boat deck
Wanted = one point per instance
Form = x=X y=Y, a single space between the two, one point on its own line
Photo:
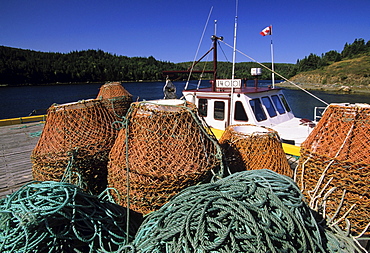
x=16 y=145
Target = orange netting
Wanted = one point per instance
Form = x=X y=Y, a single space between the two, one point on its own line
x=164 y=149
x=250 y=147
x=79 y=135
x=334 y=167
x=115 y=98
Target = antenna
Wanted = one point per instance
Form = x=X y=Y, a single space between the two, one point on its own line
x=235 y=28
x=215 y=27
x=233 y=70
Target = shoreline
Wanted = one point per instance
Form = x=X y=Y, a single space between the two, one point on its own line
x=341 y=89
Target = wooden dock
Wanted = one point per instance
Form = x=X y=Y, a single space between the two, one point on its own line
x=16 y=145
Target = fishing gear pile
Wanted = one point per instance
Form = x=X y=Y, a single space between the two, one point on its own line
x=334 y=171
x=250 y=147
x=163 y=148
x=249 y=211
x=115 y=98
x=80 y=132
x=59 y=217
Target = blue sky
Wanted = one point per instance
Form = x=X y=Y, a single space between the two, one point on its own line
x=170 y=30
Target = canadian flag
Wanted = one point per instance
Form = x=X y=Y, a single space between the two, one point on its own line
x=266 y=31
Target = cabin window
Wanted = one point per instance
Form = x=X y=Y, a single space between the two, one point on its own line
x=202 y=107
x=269 y=107
x=239 y=113
x=219 y=110
x=279 y=106
x=258 y=111
x=285 y=103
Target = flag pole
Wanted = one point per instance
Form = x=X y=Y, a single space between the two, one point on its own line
x=272 y=62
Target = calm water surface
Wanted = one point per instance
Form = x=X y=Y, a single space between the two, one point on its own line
x=21 y=101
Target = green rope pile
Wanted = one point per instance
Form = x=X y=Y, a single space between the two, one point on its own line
x=251 y=211
x=60 y=217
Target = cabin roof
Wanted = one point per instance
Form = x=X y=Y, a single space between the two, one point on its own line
x=245 y=90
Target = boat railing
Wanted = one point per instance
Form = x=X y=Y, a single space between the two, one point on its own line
x=318 y=112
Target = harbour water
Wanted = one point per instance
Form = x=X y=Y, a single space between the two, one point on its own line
x=21 y=101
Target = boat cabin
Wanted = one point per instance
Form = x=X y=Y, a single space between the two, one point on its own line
x=230 y=102
x=249 y=105
x=246 y=105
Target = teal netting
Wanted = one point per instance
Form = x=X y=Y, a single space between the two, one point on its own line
x=60 y=217
x=251 y=211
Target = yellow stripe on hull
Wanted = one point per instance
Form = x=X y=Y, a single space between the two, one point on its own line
x=291 y=149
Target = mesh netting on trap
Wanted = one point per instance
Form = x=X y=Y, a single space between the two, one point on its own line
x=163 y=149
x=250 y=147
x=334 y=167
x=115 y=98
x=77 y=136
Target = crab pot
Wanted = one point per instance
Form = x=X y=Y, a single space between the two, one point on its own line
x=115 y=98
x=335 y=164
x=75 y=144
x=164 y=149
x=251 y=147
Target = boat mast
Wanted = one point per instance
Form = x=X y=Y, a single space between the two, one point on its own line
x=234 y=48
x=214 y=39
x=233 y=69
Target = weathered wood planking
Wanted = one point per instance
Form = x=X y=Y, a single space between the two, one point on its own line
x=16 y=145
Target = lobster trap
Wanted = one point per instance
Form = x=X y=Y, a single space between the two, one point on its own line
x=163 y=148
x=75 y=144
x=251 y=147
x=334 y=167
x=115 y=98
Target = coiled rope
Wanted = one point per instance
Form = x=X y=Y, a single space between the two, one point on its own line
x=59 y=217
x=250 y=211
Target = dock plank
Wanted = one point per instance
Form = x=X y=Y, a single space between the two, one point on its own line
x=16 y=145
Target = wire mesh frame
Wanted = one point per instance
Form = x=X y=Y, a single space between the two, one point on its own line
x=251 y=147
x=334 y=170
x=157 y=181
x=82 y=131
x=115 y=98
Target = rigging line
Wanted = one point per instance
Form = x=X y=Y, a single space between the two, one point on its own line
x=200 y=42
x=223 y=52
x=201 y=75
x=322 y=101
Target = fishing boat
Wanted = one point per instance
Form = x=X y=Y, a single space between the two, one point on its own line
x=230 y=101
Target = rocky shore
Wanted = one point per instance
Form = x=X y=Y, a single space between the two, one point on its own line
x=327 y=87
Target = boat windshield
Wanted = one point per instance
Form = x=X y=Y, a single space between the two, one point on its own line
x=285 y=102
x=257 y=109
x=269 y=107
x=279 y=106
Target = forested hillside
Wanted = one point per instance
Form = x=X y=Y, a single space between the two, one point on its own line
x=351 y=67
x=19 y=66
x=243 y=69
